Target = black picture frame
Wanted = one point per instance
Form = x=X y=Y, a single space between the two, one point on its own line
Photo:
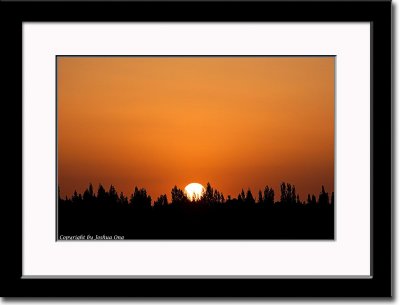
x=378 y=13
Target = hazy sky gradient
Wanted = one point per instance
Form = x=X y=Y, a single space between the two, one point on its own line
x=237 y=122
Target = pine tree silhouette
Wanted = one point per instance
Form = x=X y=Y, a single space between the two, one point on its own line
x=211 y=216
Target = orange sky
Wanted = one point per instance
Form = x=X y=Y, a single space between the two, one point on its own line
x=237 y=122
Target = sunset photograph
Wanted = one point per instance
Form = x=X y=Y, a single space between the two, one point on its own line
x=195 y=147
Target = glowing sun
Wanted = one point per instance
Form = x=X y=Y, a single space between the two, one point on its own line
x=194 y=191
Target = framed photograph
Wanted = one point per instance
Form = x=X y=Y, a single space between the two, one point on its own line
x=186 y=149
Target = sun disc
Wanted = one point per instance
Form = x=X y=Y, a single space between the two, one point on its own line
x=194 y=191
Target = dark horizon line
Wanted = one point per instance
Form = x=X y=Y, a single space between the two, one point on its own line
x=231 y=197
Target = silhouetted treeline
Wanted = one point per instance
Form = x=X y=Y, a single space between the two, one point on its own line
x=212 y=216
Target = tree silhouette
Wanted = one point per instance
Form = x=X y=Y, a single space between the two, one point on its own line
x=88 y=195
x=269 y=195
x=313 y=200
x=218 y=197
x=210 y=216
x=139 y=199
x=309 y=202
x=288 y=194
x=260 y=198
x=122 y=200
x=208 y=196
x=75 y=197
x=242 y=197
x=249 y=198
x=101 y=195
x=178 y=196
x=161 y=201
x=112 y=195
x=323 y=199
x=211 y=196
